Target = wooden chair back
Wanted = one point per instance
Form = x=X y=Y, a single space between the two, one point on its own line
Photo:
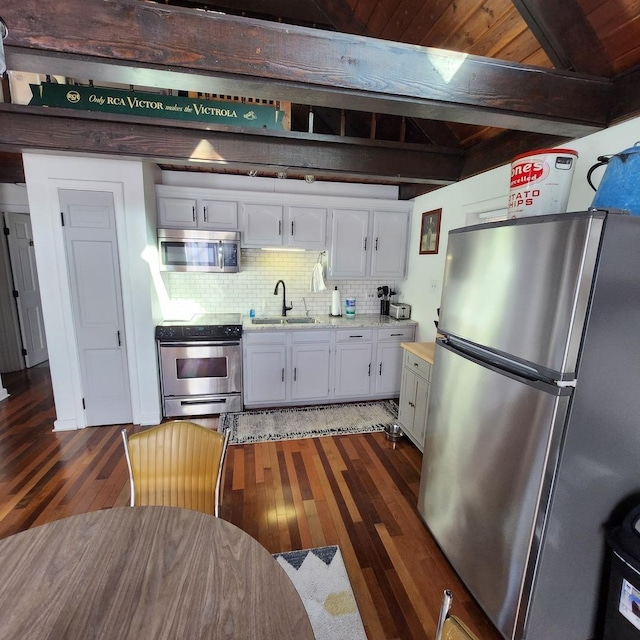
x=176 y=464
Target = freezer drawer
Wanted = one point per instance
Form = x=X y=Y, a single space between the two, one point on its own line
x=489 y=456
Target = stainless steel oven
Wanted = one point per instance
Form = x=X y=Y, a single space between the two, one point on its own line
x=201 y=365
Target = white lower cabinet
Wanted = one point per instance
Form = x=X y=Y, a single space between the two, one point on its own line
x=311 y=364
x=264 y=368
x=389 y=359
x=293 y=367
x=283 y=367
x=414 y=397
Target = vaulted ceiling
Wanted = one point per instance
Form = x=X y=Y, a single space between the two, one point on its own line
x=408 y=92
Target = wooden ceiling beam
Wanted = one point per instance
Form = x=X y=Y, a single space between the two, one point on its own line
x=565 y=35
x=626 y=95
x=154 y=45
x=11 y=168
x=35 y=129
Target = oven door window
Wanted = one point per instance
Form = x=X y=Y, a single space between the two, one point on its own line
x=190 y=368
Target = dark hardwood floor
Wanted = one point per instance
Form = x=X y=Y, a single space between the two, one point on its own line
x=356 y=491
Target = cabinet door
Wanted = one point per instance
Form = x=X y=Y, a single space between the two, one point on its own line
x=262 y=225
x=389 y=240
x=422 y=404
x=407 y=404
x=306 y=227
x=353 y=369
x=389 y=367
x=177 y=213
x=219 y=214
x=264 y=373
x=349 y=243
x=310 y=371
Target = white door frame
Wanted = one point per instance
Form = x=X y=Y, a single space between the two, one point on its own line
x=56 y=293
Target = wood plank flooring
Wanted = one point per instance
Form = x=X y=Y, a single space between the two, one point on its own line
x=356 y=491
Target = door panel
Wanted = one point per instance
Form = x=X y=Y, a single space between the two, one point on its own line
x=489 y=453
x=522 y=287
x=94 y=276
x=25 y=282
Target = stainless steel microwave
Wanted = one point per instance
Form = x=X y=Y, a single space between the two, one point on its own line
x=195 y=250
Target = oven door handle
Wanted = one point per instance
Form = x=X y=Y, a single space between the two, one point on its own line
x=194 y=402
x=200 y=343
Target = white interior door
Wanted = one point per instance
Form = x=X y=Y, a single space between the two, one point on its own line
x=27 y=290
x=94 y=276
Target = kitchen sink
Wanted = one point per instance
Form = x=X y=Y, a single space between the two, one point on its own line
x=266 y=320
x=300 y=320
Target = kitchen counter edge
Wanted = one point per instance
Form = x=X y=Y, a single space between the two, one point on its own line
x=373 y=320
x=424 y=350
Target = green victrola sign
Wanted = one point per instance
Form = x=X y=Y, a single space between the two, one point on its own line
x=237 y=114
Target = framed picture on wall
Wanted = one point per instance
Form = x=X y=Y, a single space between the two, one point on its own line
x=430 y=231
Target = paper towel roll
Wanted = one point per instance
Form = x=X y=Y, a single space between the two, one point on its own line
x=336 y=305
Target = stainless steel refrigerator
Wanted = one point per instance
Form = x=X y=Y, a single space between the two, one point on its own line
x=533 y=428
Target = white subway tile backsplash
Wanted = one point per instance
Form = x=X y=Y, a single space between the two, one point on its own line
x=252 y=287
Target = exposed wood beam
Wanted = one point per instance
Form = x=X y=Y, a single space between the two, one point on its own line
x=502 y=149
x=341 y=16
x=151 y=45
x=35 y=129
x=565 y=35
x=626 y=95
x=11 y=168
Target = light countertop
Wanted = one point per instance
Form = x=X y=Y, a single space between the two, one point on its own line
x=373 y=320
x=424 y=350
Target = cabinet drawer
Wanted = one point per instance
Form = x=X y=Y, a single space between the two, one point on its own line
x=418 y=365
x=317 y=335
x=264 y=337
x=354 y=335
x=404 y=334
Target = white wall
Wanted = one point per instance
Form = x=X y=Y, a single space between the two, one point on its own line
x=45 y=174
x=423 y=286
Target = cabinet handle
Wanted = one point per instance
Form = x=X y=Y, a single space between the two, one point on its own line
x=279 y=227
x=365 y=243
x=193 y=213
x=292 y=234
x=369 y=369
x=380 y=369
x=394 y=335
x=295 y=374
x=376 y=244
x=283 y=374
x=119 y=343
x=415 y=364
x=412 y=405
x=356 y=336
x=205 y=214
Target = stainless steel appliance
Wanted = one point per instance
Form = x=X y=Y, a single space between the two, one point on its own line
x=201 y=365
x=533 y=424
x=400 y=311
x=194 y=250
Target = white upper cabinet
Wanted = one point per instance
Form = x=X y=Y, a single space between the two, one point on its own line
x=187 y=208
x=368 y=243
x=291 y=226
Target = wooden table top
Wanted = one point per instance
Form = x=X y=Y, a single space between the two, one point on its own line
x=144 y=572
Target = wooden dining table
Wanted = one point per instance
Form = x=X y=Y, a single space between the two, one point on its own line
x=145 y=572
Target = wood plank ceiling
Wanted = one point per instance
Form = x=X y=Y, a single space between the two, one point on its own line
x=488 y=79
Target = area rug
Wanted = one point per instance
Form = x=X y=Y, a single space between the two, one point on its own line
x=321 y=579
x=308 y=422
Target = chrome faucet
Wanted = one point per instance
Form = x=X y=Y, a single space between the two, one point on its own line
x=284 y=297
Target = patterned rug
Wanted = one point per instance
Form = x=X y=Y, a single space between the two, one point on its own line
x=321 y=579
x=308 y=422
